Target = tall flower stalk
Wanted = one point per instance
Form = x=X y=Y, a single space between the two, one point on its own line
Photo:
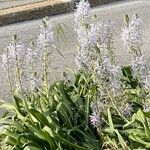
x=17 y=54
x=44 y=43
x=18 y=68
x=6 y=61
x=33 y=66
x=96 y=45
x=82 y=19
x=132 y=38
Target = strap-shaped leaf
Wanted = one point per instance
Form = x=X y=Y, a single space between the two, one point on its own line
x=142 y=118
x=110 y=120
x=40 y=117
x=31 y=148
x=122 y=141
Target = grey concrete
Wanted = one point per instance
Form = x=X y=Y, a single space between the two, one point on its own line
x=35 y=11
x=10 y=13
x=114 y=12
x=13 y=3
x=97 y=2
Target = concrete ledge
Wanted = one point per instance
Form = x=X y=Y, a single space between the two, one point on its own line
x=34 y=11
x=97 y=2
x=41 y=9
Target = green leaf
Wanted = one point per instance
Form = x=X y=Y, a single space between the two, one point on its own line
x=5 y=120
x=32 y=144
x=142 y=118
x=5 y=114
x=64 y=115
x=110 y=120
x=31 y=148
x=87 y=110
x=136 y=132
x=63 y=92
x=48 y=130
x=7 y=106
x=121 y=141
x=49 y=138
x=17 y=125
x=40 y=117
x=18 y=105
x=139 y=140
x=10 y=141
x=76 y=146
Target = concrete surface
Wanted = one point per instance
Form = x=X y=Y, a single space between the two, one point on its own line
x=13 y=11
x=34 y=10
x=114 y=12
x=13 y=3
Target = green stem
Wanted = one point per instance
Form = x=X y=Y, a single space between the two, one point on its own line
x=45 y=67
x=87 y=109
x=18 y=72
x=115 y=106
x=18 y=75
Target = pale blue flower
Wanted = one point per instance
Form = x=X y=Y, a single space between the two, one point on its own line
x=95 y=117
x=46 y=35
x=132 y=34
x=128 y=110
x=95 y=120
x=82 y=19
x=82 y=13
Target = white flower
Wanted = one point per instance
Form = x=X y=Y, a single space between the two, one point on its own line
x=81 y=28
x=114 y=80
x=92 y=35
x=146 y=106
x=81 y=61
x=127 y=111
x=95 y=120
x=12 y=52
x=105 y=31
x=106 y=70
x=45 y=47
x=82 y=13
x=4 y=60
x=109 y=74
x=46 y=36
x=35 y=82
x=86 y=40
x=138 y=65
x=25 y=81
x=33 y=60
x=146 y=82
x=82 y=37
x=95 y=117
x=140 y=70
x=17 y=52
x=132 y=36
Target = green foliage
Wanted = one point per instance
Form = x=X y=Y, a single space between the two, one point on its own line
x=138 y=130
x=128 y=78
x=60 y=121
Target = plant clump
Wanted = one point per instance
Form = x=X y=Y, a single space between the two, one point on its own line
x=104 y=106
